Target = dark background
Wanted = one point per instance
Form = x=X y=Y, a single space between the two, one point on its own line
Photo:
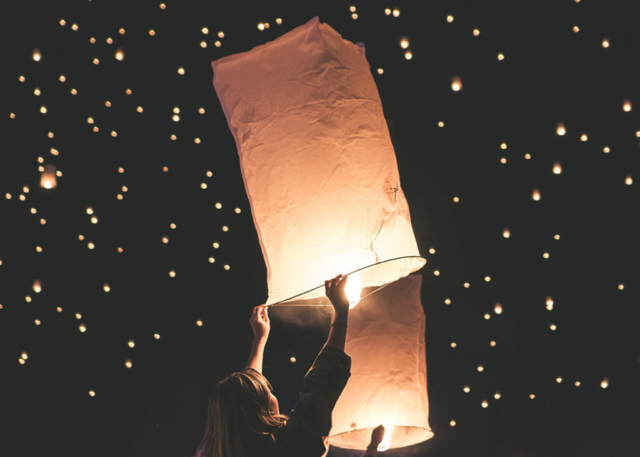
x=157 y=408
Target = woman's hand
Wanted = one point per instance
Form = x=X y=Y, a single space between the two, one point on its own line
x=334 y=288
x=376 y=436
x=260 y=322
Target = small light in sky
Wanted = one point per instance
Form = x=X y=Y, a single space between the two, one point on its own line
x=558 y=380
x=497 y=396
x=476 y=32
x=553 y=327
x=205 y=30
x=456 y=84
x=456 y=199
x=107 y=288
x=74 y=27
x=199 y=323
x=203 y=44
x=172 y=274
x=156 y=336
x=261 y=26
x=545 y=255
x=480 y=368
x=238 y=210
x=536 y=195
x=498 y=308
x=503 y=146
x=577 y=383
x=606 y=150
x=454 y=344
x=218 y=205
x=278 y=21
x=449 y=18
x=293 y=359
x=225 y=228
x=408 y=55
x=549 y=303
x=487 y=316
x=387 y=11
x=503 y=160
x=605 y=43
x=532 y=396
x=466 y=285
x=63 y=22
x=441 y=124
x=212 y=260
x=163 y=6
x=92 y=393
x=604 y=383
x=396 y=12
x=354 y=16
x=452 y=423
x=506 y=233
x=165 y=240
x=227 y=267
x=217 y=44
x=620 y=286
x=492 y=343
x=201 y=110
x=128 y=364
x=561 y=130
x=404 y=43
x=485 y=404
x=43 y=109
x=557 y=168
x=436 y=272
x=37 y=56
x=576 y=29
x=487 y=278
x=120 y=54
x=131 y=343
x=82 y=328
x=500 y=56
x=556 y=236
x=467 y=389
x=584 y=137
x=447 y=301
x=628 y=180
x=152 y=32
x=181 y=71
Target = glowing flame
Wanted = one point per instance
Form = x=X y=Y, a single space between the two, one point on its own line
x=386 y=439
x=353 y=289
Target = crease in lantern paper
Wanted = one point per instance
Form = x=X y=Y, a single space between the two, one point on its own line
x=386 y=219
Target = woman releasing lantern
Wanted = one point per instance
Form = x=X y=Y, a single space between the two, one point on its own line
x=244 y=418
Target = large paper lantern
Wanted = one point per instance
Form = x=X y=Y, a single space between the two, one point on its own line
x=388 y=383
x=317 y=161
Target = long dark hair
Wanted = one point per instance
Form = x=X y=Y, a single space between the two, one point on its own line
x=239 y=413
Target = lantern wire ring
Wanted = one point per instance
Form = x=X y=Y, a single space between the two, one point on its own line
x=281 y=302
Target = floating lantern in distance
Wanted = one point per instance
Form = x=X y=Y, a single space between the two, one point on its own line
x=408 y=55
x=549 y=303
x=156 y=336
x=605 y=43
x=467 y=389
x=261 y=26
x=449 y=18
x=48 y=177
x=37 y=286
x=396 y=12
x=626 y=106
x=354 y=16
x=278 y=21
x=120 y=54
x=576 y=29
x=560 y=129
x=620 y=286
x=456 y=84
x=628 y=180
x=498 y=308
x=584 y=137
x=37 y=55
x=92 y=393
x=506 y=233
x=404 y=43
x=577 y=383
x=221 y=33
x=485 y=404
x=557 y=168
x=604 y=383
x=487 y=316
x=476 y=32
x=128 y=364
x=559 y=380
x=492 y=343
x=535 y=195
x=500 y=56
x=452 y=423
x=131 y=343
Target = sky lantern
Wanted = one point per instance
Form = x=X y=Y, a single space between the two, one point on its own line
x=48 y=177
x=560 y=129
x=318 y=164
x=388 y=383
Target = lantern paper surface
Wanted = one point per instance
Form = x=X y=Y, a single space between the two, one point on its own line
x=317 y=161
x=388 y=383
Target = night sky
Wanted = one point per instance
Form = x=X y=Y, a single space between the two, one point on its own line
x=470 y=162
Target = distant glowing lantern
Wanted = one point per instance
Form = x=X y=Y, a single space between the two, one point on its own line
x=37 y=286
x=37 y=56
x=584 y=137
x=449 y=18
x=549 y=303
x=344 y=207
x=408 y=55
x=535 y=195
x=557 y=168
x=485 y=404
x=498 y=308
x=388 y=383
x=120 y=54
x=456 y=84
x=404 y=43
x=628 y=180
x=560 y=129
x=605 y=43
x=476 y=32
x=506 y=233
x=626 y=105
x=396 y=12
x=500 y=56
x=131 y=343
x=604 y=383
x=48 y=177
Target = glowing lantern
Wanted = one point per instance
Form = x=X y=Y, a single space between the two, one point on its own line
x=325 y=195
x=536 y=195
x=561 y=130
x=388 y=383
x=456 y=84
x=48 y=177
x=557 y=168
x=506 y=233
x=626 y=106
x=605 y=383
x=37 y=286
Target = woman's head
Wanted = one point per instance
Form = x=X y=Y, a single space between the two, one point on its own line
x=242 y=408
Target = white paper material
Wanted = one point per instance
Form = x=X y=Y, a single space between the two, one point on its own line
x=388 y=384
x=317 y=161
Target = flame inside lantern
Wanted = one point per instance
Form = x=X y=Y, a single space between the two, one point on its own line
x=353 y=289
x=386 y=439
